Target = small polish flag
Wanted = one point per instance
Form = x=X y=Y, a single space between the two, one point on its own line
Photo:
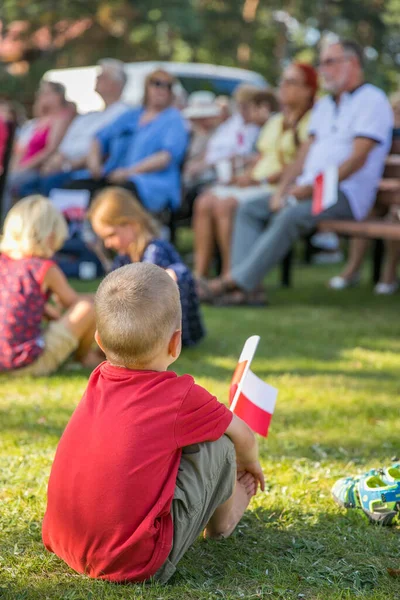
x=250 y=398
x=325 y=193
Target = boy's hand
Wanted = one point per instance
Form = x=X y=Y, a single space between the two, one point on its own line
x=255 y=469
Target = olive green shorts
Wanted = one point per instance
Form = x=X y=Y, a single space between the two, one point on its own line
x=206 y=479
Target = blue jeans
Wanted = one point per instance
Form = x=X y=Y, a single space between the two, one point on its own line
x=44 y=185
x=261 y=239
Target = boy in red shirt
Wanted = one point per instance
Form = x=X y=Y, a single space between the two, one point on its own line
x=144 y=466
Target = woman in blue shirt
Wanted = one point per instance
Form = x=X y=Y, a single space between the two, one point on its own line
x=142 y=150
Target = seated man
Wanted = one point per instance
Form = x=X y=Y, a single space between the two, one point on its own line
x=351 y=128
x=75 y=146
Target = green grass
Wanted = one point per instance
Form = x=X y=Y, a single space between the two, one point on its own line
x=335 y=358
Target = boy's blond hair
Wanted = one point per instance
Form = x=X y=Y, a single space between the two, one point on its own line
x=29 y=225
x=116 y=206
x=137 y=310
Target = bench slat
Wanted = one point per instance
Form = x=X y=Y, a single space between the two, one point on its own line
x=370 y=229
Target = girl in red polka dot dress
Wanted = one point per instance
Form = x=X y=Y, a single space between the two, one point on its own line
x=33 y=231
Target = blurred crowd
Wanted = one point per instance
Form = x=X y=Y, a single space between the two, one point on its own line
x=240 y=169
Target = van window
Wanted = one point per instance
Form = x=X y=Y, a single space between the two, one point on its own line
x=218 y=85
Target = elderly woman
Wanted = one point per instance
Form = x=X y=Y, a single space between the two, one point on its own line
x=53 y=116
x=277 y=145
x=142 y=150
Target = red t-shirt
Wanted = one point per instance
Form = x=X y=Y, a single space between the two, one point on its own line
x=115 y=469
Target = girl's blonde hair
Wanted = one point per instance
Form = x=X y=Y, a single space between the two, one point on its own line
x=29 y=225
x=117 y=206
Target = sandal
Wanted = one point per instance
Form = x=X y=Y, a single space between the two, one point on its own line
x=345 y=494
x=379 y=501
x=241 y=298
x=209 y=290
x=391 y=474
x=203 y=291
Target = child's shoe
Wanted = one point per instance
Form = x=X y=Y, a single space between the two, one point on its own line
x=391 y=474
x=379 y=501
x=344 y=492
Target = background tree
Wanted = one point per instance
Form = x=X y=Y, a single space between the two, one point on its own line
x=256 y=34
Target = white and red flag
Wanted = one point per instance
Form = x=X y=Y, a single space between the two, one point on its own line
x=325 y=193
x=250 y=398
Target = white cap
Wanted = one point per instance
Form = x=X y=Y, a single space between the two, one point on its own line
x=201 y=105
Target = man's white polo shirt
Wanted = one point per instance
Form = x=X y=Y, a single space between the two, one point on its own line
x=78 y=138
x=364 y=112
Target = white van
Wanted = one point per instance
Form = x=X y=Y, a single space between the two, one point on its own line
x=80 y=82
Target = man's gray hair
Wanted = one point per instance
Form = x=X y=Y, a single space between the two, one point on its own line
x=353 y=49
x=115 y=67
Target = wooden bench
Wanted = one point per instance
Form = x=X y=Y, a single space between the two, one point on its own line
x=374 y=228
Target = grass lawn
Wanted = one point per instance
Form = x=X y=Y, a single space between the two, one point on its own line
x=335 y=358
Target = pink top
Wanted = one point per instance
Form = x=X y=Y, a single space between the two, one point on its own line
x=37 y=142
x=22 y=305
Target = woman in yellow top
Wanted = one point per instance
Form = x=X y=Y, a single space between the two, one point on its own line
x=277 y=145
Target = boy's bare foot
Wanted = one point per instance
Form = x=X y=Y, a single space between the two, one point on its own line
x=227 y=516
x=247 y=480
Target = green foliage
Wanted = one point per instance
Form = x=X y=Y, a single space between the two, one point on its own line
x=215 y=31
x=335 y=358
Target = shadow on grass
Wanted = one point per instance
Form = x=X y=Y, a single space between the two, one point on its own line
x=299 y=429
x=25 y=419
x=281 y=553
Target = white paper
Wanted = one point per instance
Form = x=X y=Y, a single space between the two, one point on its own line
x=66 y=199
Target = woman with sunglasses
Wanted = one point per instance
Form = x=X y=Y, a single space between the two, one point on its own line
x=142 y=150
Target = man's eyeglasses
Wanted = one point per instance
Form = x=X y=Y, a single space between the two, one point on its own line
x=167 y=85
x=329 y=62
x=289 y=81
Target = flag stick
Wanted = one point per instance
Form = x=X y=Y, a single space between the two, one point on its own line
x=249 y=349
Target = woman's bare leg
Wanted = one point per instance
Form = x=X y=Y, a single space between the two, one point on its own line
x=204 y=236
x=224 y=214
x=357 y=250
x=392 y=258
